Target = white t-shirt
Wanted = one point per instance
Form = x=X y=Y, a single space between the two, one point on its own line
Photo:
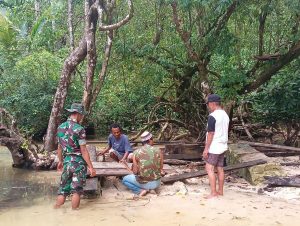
x=218 y=122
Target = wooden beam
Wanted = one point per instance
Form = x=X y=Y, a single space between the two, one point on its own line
x=290 y=163
x=265 y=149
x=176 y=162
x=274 y=146
x=282 y=154
x=133 y=142
x=203 y=172
x=183 y=156
x=91 y=183
x=116 y=165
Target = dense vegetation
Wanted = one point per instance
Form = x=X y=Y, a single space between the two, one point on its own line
x=163 y=63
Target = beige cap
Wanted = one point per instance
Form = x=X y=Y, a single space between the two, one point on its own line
x=146 y=136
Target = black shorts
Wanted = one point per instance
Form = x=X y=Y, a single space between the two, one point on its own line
x=216 y=159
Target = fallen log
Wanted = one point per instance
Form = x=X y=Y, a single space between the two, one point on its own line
x=203 y=172
x=275 y=181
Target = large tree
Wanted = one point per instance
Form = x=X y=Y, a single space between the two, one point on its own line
x=97 y=13
x=231 y=47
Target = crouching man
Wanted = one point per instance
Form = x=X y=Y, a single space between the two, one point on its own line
x=147 y=167
x=118 y=145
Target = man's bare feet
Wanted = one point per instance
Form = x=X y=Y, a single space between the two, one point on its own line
x=211 y=196
x=220 y=193
x=143 y=193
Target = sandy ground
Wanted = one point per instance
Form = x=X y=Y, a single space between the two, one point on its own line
x=177 y=204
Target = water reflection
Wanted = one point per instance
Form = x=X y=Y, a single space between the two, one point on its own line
x=20 y=187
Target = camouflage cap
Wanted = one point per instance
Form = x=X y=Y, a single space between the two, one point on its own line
x=76 y=107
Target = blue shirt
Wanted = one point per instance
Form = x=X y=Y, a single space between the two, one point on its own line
x=121 y=145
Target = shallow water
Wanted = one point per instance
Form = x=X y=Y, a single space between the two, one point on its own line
x=21 y=187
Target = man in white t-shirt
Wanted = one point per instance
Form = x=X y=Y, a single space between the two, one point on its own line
x=216 y=144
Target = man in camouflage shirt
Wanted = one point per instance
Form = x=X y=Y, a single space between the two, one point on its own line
x=147 y=167
x=73 y=157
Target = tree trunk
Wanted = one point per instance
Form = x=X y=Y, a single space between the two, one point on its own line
x=91 y=61
x=22 y=153
x=77 y=56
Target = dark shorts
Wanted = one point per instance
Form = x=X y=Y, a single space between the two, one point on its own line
x=73 y=178
x=215 y=159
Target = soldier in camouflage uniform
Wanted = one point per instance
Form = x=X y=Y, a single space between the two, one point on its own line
x=73 y=157
x=147 y=167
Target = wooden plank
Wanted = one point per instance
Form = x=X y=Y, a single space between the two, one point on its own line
x=91 y=183
x=282 y=154
x=275 y=146
x=203 y=172
x=133 y=142
x=121 y=172
x=118 y=169
x=111 y=172
x=274 y=150
x=184 y=156
x=183 y=162
x=176 y=162
x=116 y=165
x=290 y=163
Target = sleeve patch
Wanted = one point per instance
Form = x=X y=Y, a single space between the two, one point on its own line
x=211 y=124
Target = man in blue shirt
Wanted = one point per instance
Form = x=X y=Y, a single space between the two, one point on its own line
x=118 y=145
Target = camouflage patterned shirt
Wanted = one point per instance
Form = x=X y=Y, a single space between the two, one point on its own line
x=70 y=136
x=148 y=159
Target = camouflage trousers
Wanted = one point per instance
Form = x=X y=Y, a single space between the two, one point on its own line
x=73 y=178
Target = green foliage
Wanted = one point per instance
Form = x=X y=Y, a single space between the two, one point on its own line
x=29 y=88
x=140 y=74
x=7 y=32
x=279 y=101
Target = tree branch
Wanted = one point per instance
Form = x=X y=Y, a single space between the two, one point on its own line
x=118 y=24
x=184 y=35
x=271 y=69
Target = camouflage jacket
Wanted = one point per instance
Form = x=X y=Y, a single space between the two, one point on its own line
x=70 y=136
x=148 y=160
